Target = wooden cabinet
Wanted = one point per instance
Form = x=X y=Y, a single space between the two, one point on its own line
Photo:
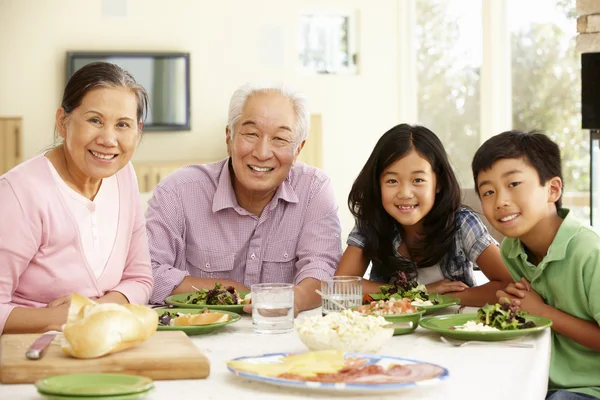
x=10 y=143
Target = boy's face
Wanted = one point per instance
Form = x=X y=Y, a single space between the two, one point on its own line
x=512 y=198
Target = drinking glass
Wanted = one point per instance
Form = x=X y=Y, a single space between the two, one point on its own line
x=272 y=307
x=346 y=290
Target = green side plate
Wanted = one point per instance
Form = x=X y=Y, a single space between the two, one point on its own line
x=130 y=396
x=413 y=317
x=199 y=329
x=443 y=323
x=94 y=385
x=444 y=301
x=179 y=301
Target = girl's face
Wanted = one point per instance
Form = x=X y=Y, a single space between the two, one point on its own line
x=408 y=189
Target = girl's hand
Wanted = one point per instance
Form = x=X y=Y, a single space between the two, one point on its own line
x=446 y=286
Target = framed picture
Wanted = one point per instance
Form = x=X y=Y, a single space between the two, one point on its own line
x=327 y=43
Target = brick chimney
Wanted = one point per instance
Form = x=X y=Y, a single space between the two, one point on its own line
x=588 y=26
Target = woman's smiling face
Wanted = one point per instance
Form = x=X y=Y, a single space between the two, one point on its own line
x=102 y=133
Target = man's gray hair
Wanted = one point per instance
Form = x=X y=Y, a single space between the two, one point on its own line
x=299 y=103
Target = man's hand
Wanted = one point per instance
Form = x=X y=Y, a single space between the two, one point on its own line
x=446 y=286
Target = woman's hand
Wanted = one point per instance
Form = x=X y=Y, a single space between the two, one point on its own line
x=61 y=301
x=446 y=286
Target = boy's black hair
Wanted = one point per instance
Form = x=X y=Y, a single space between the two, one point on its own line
x=535 y=147
x=379 y=228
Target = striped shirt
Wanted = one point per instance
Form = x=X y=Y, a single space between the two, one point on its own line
x=470 y=240
x=196 y=227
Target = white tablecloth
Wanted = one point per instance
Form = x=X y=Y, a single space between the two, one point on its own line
x=476 y=371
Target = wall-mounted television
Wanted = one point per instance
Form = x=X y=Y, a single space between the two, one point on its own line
x=165 y=76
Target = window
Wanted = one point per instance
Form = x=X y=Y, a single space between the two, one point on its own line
x=531 y=79
x=448 y=47
x=546 y=88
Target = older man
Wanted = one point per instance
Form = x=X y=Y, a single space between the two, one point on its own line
x=256 y=216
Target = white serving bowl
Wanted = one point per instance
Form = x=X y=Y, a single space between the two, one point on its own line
x=347 y=331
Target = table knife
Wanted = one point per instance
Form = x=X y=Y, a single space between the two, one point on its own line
x=36 y=350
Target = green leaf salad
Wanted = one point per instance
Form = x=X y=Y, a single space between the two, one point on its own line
x=402 y=288
x=503 y=316
x=217 y=296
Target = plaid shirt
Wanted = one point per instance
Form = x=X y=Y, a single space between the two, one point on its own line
x=196 y=227
x=471 y=239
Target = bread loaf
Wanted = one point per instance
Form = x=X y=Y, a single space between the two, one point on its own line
x=97 y=329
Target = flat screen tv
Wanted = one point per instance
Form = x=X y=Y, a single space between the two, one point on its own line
x=165 y=76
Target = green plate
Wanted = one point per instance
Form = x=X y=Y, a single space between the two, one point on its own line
x=117 y=397
x=199 y=329
x=443 y=323
x=444 y=301
x=413 y=317
x=94 y=385
x=179 y=301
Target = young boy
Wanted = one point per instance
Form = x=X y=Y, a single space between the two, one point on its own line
x=554 y=258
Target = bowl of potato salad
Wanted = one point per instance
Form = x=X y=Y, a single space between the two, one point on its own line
x=347 y=330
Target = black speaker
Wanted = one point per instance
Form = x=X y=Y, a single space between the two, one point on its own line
x=590 y=90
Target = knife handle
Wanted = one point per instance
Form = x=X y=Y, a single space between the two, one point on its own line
x=36 y=350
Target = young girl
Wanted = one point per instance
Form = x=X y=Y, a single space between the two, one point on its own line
x=407 y=205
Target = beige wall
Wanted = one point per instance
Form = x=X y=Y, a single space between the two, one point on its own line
x=227 y=43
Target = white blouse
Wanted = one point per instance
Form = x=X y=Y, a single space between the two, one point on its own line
x=97 y=220
x=430 y=274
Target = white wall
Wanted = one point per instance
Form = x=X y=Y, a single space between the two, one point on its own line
x=231 y=42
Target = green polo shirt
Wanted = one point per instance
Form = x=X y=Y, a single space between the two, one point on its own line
x=568 y=279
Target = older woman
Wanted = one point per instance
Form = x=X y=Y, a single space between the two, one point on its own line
x=71 y=218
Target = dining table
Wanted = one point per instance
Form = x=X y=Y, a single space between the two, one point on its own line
x=477 y=371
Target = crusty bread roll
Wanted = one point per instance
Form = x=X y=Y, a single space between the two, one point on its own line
x=94 y=330
x=200 y=319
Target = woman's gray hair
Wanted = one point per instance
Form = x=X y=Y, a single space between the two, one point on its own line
x=244 y=92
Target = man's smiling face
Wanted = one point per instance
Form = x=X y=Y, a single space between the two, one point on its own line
x=263 y=146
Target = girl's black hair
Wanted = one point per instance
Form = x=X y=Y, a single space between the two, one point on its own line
x=379 y=228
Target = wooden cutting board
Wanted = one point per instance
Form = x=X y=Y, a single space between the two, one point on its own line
x=166 y=355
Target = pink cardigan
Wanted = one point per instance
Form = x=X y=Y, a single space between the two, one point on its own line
x=41 y=256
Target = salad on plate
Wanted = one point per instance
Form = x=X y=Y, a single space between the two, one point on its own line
x=402 y=288
x=218 y=296
x=498 y=317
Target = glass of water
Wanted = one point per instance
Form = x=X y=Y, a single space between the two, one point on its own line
x=346 y=290
x=272 y=307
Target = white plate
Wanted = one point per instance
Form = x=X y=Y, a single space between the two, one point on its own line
x=341 y=387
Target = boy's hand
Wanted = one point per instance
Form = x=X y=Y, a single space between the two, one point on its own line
x=523 y=284
x=514 y=291
x=522 y=295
